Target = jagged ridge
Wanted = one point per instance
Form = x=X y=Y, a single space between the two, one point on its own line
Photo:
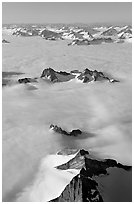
x=83 y=187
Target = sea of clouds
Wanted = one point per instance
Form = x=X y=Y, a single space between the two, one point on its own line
x=102 y=111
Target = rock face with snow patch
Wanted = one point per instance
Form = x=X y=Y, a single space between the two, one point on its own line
x=72 y=192
x=86 y=76
x=90 y=76
x=49 y=74
x=26 y=32
x=125 y=33
x=110 y=32
x=84 y=187
x=54 y=76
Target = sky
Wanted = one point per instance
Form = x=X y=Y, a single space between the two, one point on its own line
x=66 y=12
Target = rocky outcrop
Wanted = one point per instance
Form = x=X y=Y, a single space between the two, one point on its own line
x=72 y=192
x=55 y=76
x=83 y=187
x=86 y=76
x=110 y=32
x=27 y=80
x=94 y=75
x=49 y=74
x=50 y=35
x=94 y=41
x=59 y=130
x=26 y=32
x=5 y=41
x=125 y=35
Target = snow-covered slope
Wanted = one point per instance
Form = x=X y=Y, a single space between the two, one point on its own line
x=50 y=181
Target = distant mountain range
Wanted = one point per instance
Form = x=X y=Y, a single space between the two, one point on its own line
x=80 y=35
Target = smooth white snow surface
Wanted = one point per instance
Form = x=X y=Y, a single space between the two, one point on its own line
x=101 y=110
x=49 y=182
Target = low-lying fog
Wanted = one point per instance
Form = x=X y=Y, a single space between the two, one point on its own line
x=101 y=110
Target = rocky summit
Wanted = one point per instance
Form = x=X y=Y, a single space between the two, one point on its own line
x=5 y=41
x=84 y=187
x=59 y=130
x=85 y=76
x=90 y=76
x=55 y=76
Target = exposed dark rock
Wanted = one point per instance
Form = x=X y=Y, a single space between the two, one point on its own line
x=83 y=187
x=125 y=36
x=27 y=80
x=127 y=29
x=83 y=152
x=86 y=76
x=108 y=40
x=75 y=132
x=72 y=192
x=110 y=32
x=89 y=75
x=50 y=35
x=95 y=167
x=26 y=32
x=55 y=76
x=99 y=40
x=78 y=162
x=5 y=41
x=94 y=41
x=90 y=193
x=49 y=74
x=63 y=73
x=75 y=71
x=21 y=33
x=59 y=130
x=125 y=33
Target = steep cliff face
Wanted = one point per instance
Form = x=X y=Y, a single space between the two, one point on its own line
x=72 y=192
x=83 y=187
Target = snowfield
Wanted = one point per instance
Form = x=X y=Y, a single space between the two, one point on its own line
x=103 y=111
